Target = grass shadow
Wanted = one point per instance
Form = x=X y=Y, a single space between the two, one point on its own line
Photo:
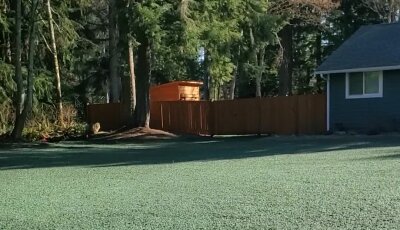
x=145 y=152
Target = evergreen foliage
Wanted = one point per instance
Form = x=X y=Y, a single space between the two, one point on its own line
x=234 y=46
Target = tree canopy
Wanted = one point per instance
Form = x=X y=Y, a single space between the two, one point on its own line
x=79 y=52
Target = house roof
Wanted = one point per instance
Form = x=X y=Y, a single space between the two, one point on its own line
x=373 y=47
x=179 y=83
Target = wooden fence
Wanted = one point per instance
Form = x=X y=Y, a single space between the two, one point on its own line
x=278 y=115
x=110 y=116
x=190 y=117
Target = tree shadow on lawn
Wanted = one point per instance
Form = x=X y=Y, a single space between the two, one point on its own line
x=146 y=152
x=388 y=155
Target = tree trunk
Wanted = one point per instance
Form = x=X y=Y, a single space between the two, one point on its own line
x=132 y=93
x=19 y=126
x=260 y=71
x=18 y=71
x=9 y=52
x=142 y=113
x=391 y=17
x=232 y=89
x=129 y=88
x=56 y=66
x=232 y=86
x=206 y=80
x=258 y=77
x=286 y=65
x=113 y=52
x=256 y=59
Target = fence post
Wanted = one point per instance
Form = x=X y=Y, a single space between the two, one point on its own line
x=161 y=116
x=259 y=116
x=211 y=117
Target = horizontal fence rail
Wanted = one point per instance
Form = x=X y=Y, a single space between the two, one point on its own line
x=303 y=114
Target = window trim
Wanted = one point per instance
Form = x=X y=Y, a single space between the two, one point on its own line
x=364 y=95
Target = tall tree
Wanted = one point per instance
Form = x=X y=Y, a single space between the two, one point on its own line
x=263 y=30
x=286 y=61
x=294 y=11
x=27 y=107
x=142 y=112
x=56 y=65
x=113 y=31
x=388 y=10
x=131 y=98
x=146 y=29
x=18 y=70
x=128 y=96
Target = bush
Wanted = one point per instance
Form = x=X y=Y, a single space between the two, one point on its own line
x=6 y=117
x=44 y=125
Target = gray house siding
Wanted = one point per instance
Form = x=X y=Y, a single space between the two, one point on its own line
x=366 y=114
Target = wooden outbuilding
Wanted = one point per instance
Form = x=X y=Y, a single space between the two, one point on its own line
x=177 y=91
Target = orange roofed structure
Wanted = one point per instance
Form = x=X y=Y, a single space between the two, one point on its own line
x=176 y=91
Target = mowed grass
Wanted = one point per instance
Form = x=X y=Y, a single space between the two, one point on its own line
x=221 y=183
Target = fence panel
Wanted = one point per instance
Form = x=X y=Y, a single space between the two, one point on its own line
x=236 y=117
x=278 y=115
x=110 y=116
x=190 y=117
x=312 y=114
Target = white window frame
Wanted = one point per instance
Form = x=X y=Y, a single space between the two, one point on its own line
x=364 y=95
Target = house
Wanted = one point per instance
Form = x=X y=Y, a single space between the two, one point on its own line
x=363 y=81
x=176 y=91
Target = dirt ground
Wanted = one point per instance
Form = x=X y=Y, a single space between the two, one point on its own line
x=136 y=133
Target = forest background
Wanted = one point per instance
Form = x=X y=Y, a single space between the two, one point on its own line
x=58 y=56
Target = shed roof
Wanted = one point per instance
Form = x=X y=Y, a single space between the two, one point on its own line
x=179 y=83
x=373 y=47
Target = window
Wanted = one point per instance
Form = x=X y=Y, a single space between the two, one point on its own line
x=364 y=85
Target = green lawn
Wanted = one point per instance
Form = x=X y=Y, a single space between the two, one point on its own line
x=221 y=183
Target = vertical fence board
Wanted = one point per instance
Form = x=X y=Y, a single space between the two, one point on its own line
x=278 y=115
x=110 y=116
x=236 y=117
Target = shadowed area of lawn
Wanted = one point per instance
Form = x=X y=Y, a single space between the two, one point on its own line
x=192 y=183
x=176 y=150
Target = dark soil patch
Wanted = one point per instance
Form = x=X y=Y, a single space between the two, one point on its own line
x=136 y=133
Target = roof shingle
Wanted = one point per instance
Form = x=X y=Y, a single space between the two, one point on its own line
x=373 y=46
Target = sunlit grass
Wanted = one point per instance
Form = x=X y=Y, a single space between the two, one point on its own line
x=233 y=183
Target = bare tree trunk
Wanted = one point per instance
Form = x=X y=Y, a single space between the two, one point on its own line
x=8 y=52
x=286 y=65
x=56 y=66
x=258 y=78
x=133 y=77
x=19 y=125
x=142 y=112
x=232 y=86
x=217 y=92
x=258 y=61
x=392 y=11
x=18 y=71
x=129 y=88
x=260 y=73
x=206 y=80
x=235 y=75
x=113 y=51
